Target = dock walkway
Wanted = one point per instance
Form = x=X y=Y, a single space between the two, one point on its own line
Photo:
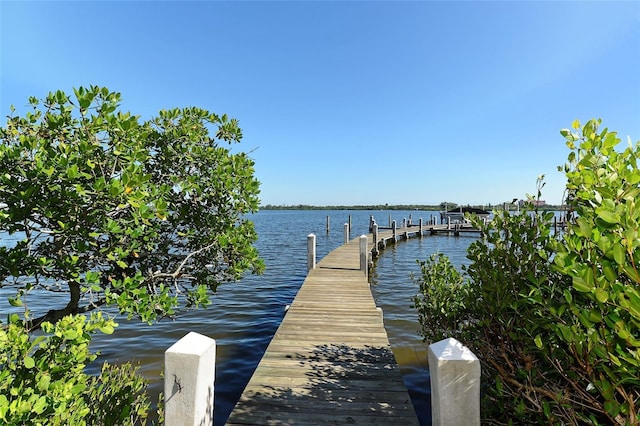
x=330 y=361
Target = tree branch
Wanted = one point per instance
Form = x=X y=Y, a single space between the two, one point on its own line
x=55 y=315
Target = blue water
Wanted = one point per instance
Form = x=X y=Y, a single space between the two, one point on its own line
x=244 y=315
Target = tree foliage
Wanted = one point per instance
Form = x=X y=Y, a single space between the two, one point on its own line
x=554 y=318
x=43 y=379
x=143 y=215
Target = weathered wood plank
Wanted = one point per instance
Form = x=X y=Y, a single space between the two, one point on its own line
x=330 y=361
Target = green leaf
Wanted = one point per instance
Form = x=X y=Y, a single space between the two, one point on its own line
x=40 y=405
x=72 y=172
x=580 y=284
x=595 y=315
x=107 y=329
x=29 y=362
x=602 y=296
x=611 y=140
x=15 y=301
x=567 y=296
x=538 y=341
x=75 y=390
x=584 y=226
x=44 y=382
x=70 y=334
x=618 y=254
x=609 y=273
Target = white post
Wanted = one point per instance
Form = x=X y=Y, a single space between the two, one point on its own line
x=455 y=384
x=364 y=258
x=346 y=233
x=311 y=252
x=393 y=230
x=420 y=224
x=189 y=375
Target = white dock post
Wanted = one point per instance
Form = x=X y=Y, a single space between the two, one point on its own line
x=420 y=224
x=311 y=252
x=393 y=230
x=190 y=367
x=364 y=256
x=346 y=233
x=455 y=384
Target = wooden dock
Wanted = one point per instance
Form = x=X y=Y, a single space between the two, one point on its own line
x=330 y=361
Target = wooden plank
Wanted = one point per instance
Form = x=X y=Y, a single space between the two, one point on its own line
x=330 y=361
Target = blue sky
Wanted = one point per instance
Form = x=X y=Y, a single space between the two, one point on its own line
x=356 y=102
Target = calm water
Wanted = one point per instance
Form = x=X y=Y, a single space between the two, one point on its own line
x=244 y=315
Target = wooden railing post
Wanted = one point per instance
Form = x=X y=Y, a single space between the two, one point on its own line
x=311 y=252
x=189 y=377
x=375 y=239
x=364 y=256
x=455 y=384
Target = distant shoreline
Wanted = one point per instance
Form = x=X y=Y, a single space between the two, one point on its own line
x=426 y=207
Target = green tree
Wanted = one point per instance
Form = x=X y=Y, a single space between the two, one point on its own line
x=144 y=215
x=554 y=318
x=149 y=216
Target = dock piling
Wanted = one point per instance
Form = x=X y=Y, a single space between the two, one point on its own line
x=375 y=239
x=364 y=256
x=311 y=252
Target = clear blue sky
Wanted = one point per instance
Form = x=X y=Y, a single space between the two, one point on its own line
x=353 y=102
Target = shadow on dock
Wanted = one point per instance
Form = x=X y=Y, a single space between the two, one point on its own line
x=340 y=385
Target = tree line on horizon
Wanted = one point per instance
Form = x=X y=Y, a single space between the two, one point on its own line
x=427 y=207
